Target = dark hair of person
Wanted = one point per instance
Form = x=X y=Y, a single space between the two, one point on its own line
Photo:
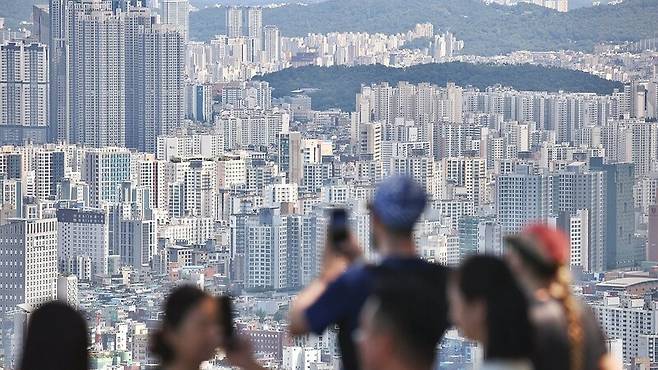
x=509 y=331
x=539 y=266
x=407 y=308
x=57 y=339
x=178 y=304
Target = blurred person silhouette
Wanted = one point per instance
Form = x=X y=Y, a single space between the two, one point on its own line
x=567 y=335
x=189 y=333
x=337 y=296
x=399 y=328
x=57 y=339
x=488 y=305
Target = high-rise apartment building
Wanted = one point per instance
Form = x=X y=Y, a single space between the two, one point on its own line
x=41 y=23
x=290 y=161
x=469 y=173
x=135 y=241
x=60 y=118
x=630 y=319
x=652 y=237
x=104 y=170
x=67 y=290
x=28 y=262
x=132 y=229
x=23 y=92
x=479 y=235
x=234 y=21
x=370 y=140
x=160 y=86
x=576 y=188
x=266 y=250
x=199 y=102
x=254 y=23
x=138 y=20
x=522 y=197
x=272 y=44
x=117 y=76
x=177 y=14
x=82 y=236
x=49 y=168
x=620 y=212
x=576 y=226
x=97 y=74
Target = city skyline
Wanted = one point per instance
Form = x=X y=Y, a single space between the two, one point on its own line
x=135 y=158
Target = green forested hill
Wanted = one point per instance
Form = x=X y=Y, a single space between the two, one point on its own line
x=486 y=29
x=337 y=86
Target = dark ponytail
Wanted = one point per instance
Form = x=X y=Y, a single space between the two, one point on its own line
x=176 y=307
x=509 y=331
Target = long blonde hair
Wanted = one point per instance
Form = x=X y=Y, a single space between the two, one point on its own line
x=552 y=263
x=560 y=290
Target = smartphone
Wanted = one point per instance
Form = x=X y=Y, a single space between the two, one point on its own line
x=226 y=317
x=338 y=227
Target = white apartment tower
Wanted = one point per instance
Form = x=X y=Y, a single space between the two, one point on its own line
x=522 y=196
x=97 y=74
x=82 y=235
x=234 y=21
x=177 y=14
x=105 y=169
x=370 y=140
x=67 y=290
x=267 y=240
x=160 y=85
x=255 y=22
x=272 y=38
x=115 y=75
x=469 y=173
x=60 y=115
x=137 y=21
x=28 y=262
x=23 y=85
x=629 y=319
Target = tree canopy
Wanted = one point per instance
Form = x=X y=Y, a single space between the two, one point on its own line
x=336 y=87
x=485 y=29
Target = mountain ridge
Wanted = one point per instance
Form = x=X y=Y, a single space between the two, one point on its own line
x=486 y=29
x=337 y=86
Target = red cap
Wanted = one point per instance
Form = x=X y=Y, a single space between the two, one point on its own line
x=552 y=243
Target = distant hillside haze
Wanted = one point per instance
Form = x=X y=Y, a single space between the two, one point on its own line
x=15 y=11
x=485 y=29
x=337 y=86
x=206 y=3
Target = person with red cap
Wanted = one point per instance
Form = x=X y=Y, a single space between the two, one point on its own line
x=567 y=335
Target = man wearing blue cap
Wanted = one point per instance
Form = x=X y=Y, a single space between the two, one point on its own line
x=338 y=294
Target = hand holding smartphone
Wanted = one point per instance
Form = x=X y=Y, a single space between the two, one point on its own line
x=338 y=228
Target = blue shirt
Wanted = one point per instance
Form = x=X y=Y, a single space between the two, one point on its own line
x=343 y=299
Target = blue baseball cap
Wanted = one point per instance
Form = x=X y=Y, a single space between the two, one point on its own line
x=398 y=203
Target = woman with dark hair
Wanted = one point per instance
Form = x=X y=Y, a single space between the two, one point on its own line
x=189 y=333
x=57 y=339
x=488 y=306
x=567 y=334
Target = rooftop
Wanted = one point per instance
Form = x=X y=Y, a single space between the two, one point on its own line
x=626 y=282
